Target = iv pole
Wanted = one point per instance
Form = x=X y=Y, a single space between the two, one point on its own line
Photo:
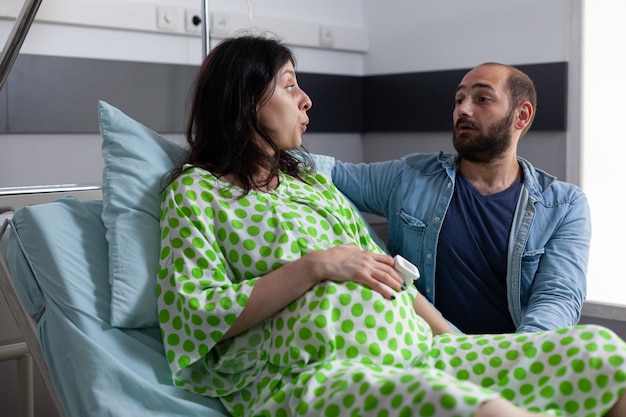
x=206 y=29
x=16 y=38
x=27 y=16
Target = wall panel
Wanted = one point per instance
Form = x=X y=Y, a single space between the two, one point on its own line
x=423 y=101
x=48 y=94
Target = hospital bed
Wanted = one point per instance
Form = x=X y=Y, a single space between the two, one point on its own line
x=77 y=271
x=79 y=278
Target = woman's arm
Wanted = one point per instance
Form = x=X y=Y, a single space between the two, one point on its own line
x=424 y=309
x=277 y=289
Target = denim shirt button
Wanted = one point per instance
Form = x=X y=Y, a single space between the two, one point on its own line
x=449 y=184
x=529 y=213
x=428 y=290
x=430 y=255
x=513 y=286
x=437 y=219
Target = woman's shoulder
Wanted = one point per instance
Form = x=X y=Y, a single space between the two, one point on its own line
x=312 y=177
x=197 y=171
x=191 y=175
x=192 y=179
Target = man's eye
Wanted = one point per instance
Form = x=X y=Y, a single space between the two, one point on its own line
x=484 y=99
x=290 y=87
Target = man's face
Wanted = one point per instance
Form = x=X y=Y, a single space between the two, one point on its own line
x=483 y=116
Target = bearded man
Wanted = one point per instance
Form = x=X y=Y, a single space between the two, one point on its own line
x=501 y=245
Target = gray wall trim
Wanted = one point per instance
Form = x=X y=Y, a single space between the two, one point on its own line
x=337 y=102
x=423 y=101
x=60 y=95
x=47 y=94
x=605 y=311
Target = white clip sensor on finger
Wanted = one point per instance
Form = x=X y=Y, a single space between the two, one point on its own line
x=408 y=271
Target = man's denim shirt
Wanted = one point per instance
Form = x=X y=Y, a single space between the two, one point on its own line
x=548 y=246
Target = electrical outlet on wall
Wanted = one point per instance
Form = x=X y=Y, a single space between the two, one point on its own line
x=221 y=24
x=327 y=37
x=167 y=18
x=193 y=21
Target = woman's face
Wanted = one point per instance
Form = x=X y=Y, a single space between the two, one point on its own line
x=284 y=113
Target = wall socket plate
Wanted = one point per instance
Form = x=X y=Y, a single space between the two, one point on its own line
x=193 y=21
x=327 y=37
x=167 y=18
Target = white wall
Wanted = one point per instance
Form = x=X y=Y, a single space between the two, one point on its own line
x=401 y=40
x=467 y=33
x=60 y=159
x=74 y=40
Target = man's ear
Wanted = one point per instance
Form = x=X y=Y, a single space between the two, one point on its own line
x=524 y=115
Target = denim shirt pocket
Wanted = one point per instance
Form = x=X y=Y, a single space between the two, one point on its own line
x=530 y=264
x=409 y=237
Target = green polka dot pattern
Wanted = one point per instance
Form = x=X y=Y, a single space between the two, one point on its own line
x=341 y=349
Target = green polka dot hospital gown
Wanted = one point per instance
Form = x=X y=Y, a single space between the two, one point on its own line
x=341 y=349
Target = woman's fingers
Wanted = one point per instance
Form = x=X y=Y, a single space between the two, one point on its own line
x=372 y=269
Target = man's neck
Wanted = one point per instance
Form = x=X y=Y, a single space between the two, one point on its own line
x=491 y=177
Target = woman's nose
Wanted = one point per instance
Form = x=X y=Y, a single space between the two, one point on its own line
x=306 y=101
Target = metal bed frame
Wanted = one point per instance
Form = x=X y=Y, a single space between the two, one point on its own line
x=27 y=351
x=19 y=351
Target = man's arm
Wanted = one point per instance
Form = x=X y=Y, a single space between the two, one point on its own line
x=559 y=287
x=368 y=186
x=325 y=164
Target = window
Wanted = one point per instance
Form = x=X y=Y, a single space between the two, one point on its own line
x=603 y=127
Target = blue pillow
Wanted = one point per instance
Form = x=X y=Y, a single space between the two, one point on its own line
x=136 y=160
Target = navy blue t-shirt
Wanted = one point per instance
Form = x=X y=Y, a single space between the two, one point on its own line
x=470 y=275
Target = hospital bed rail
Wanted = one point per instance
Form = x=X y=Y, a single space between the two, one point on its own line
x=29 y=350
x=16 y=351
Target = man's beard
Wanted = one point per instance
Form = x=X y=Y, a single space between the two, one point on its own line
x=479 y=146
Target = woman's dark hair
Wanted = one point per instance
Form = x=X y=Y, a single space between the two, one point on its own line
x=232 y=84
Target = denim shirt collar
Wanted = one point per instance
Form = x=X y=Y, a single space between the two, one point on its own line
x=533 y=181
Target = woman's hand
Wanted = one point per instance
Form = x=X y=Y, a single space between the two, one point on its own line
x=349 y=263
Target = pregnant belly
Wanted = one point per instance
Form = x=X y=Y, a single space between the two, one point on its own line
x=337 y=320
